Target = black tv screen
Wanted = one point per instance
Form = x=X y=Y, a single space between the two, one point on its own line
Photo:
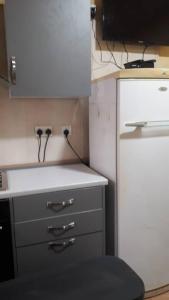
x=137 y=21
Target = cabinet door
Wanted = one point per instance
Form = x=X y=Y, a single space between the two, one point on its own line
x=50 y=41
x=3 y=58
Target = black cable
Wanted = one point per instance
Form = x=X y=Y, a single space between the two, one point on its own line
x=112 y=54
x=125 y=49
x=144 y=51
x=48 y=132
x=4 y=78
x=39 y=148
x=46 y=143
x=94 y=33
x=39 y=133
x=75 y=152
x=114 y=44
x=100 y=47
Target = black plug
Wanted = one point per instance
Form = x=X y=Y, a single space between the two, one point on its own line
x=48 y=131
x=93 y=12
x=66 y=133
x=39 y=132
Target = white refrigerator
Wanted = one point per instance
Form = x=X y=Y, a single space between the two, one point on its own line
x=129 y=143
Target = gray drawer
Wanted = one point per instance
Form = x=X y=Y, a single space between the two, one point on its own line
x=43 y=230
x=42 y=256
x=57 y=203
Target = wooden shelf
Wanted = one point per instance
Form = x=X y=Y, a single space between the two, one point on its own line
x=160 y=73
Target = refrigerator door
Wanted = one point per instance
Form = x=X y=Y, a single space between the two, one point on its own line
x=143 y=178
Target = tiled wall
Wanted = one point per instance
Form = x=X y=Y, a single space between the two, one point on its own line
x=18 y=143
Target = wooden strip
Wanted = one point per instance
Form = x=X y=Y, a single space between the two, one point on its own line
x=156 y=73
x=161 y=73
x=156 y=292
x=45 y=164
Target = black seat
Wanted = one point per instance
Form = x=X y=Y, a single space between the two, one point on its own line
x=104 y=278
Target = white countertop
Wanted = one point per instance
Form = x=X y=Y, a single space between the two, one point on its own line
x=47 y=179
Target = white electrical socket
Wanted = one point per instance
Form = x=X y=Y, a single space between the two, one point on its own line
x=69 y=127
x=43 y=128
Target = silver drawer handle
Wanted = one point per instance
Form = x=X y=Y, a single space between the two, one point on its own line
x=60 y=246
x=13 y=70
x=62 y=228
x=63 y=204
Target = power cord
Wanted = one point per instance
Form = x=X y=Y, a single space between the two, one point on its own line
x=39 y=133
x=112 y=54
x=125 y=49
x=48 y=132
x=101 y=51
x=66 y=134
x=144 y=51
x=4 y=78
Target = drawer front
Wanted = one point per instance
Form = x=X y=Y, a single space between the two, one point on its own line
x=57 y=203
x=43 y=230
x=42 y=256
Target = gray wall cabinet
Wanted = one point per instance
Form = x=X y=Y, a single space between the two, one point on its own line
x=58 y=228
x=50 y=42
x=3 y=55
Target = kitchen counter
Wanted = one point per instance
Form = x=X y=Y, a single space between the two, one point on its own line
x=48 y=179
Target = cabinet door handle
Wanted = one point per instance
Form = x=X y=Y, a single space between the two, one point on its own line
x=61 y=228
x=60 y=246
x=62 y=204
x=13 y=70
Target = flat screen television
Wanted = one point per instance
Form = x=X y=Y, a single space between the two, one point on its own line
x=136 y=21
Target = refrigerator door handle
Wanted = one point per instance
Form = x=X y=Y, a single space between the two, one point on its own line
x=146 y=124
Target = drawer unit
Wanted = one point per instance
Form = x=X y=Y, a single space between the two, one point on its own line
x=57 y=228
x=67 y=251
x=57 y=203
x=42 y=230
